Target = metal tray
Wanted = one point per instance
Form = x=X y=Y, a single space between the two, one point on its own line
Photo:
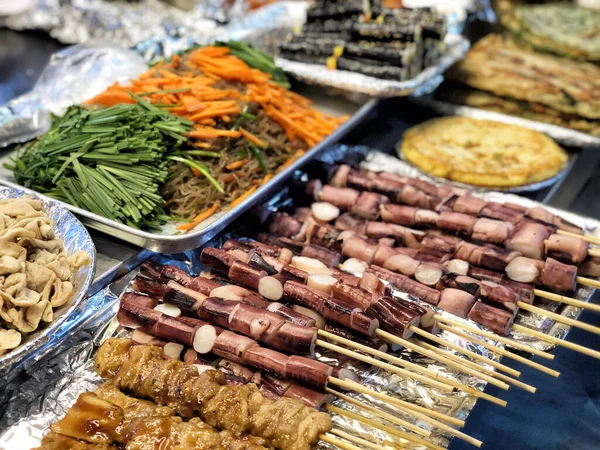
x=563 y=135
x=76 y=238
x=165 y=241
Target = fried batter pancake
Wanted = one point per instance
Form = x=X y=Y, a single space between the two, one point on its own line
x=500 y=67
x=482 y=152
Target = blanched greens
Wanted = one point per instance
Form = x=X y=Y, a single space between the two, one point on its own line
x=111 y=162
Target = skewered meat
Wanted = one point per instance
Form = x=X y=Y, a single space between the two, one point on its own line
x=398 y=214
x=499 y=295
x=439 y=245
x=456 y=222
x=525 y=270
x=394 y=316
x=326 y=256
x=457 y=302
x=497 y=320
x=349 y=222
x=466 y=204
x=343 y=198
x=558 y=276
x=356 y=247
x=544 y=215
x=285 y=225
x=528 y=239
x=498 y=211
x=590 y=267
x=489 y=230
x=367 y=205
x=143 y=371
x=568 y=249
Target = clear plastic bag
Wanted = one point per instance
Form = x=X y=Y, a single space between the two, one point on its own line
x=72 y=76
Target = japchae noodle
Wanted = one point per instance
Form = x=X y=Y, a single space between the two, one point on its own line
x=245 y=126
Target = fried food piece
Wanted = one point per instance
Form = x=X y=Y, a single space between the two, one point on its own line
x=54 y=441
x=499 y=66
x=482 y=152
x=285 y=423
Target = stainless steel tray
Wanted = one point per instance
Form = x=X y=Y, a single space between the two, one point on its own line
x=165 y=241
x=563 y=135
x=76 y=238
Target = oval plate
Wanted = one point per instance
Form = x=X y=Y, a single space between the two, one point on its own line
x=76 y=238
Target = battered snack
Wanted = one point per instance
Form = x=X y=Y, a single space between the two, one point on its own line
x=482 y=152
x=560 y=28
x=498 y=66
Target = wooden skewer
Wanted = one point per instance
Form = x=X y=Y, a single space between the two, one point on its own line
x=375 y=445
x=378 y=426
x=375 y=362
x=566 y=300
x=515 y=344
x=430 y=354
x=557 y=341
x=379 y=413
x=593 y=252
x=473 y=355
x=559 y=318
x=487 y=370
x=398 y=403
x=585 y=237
x=338 y=442
x=500 y=351
x=588 y=282
x=416 y=367
x=410 y=408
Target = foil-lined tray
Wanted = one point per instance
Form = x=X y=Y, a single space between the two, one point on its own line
x=563 y=135
x=379 y=161
x=425 y=82
x=75 y=238
x=47 y=386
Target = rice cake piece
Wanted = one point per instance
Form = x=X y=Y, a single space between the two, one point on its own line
x=482 y=152
x=498 y=66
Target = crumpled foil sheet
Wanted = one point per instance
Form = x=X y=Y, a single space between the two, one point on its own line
x=563 y=135
x=72 y=76
x=155 y=27
x=378 y=161
x=75 y=238
x=314 y=74
x=46 y=388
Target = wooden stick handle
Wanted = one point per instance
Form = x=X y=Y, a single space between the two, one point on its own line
x=486 y=370
x=585 y=237
x=378 y=426
x=593 y=252
x=559 y=318
x=433 y=355
x=378 y=445
x=410 y=408
x=511 y=342
x=588 y=282
x=393 y=369
x=338 y=442
x=391 y=418
x=501 y=351
x=566 y=300
x=472 y=355
x=442 y=426
x=416 y=367
x=553 y=340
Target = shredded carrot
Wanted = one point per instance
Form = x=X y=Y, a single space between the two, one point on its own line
x=252 y=138
x=200 y=217
x=236 y=164
x=266 y=179
x=255 y=182
x=242 y=197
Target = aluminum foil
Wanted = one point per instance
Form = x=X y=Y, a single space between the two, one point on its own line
x=563 y=135
x=378 y=161
x=53 y=384
x=75 y=238
x=156 y=28
x=456 y=48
